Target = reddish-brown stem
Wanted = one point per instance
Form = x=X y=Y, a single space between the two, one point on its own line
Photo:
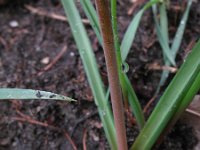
x=113 y=78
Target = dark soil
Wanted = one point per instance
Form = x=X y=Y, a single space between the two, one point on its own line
x=28 y=40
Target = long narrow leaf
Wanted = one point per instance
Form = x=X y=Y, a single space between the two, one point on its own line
x=92 y=16
x=130 y=34
x=171 y=100
x=131 y=30
x=183 y=105
x=164 y=31
x=176 y=43
x=162 y=39
x=179 y=34
x=135 y=105
x=164 y=22
x=187 y=99
x=22 y=94
x=91 y=69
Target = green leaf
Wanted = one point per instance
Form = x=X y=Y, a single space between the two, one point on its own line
x=135 y=105
x=176 y=42
x=187 y=99
x=181 y=86
x=179 y=34
x=130 y=35
x=22 y=94
x=164 y=22
x=92 y=16
x=164 y=31
x=131 y=30
x=163 y=39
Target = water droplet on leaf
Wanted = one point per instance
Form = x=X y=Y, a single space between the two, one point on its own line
x=182 y=22
x=103 y=112
x=125 y=67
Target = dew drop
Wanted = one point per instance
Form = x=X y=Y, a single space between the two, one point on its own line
x=103 y=112
x=125 y=67
x=182 y=22
x=9 y=96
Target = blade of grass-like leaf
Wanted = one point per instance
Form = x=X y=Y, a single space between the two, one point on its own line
x=170 y=101
x=164 y=76
x=164 y=22
x=130 y=35
x=165 y=46
x=175 y=45
x=92 y=16
x=14 y=93
x=91 y=69
x=187 y=99
x=182 y=106
x=162 y=39
x=179 y=34
x=115 y=34
x=164 y=31
x=131 y=30
x=135 y=105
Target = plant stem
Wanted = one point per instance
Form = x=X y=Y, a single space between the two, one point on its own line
x=112 y=69
x=118 y=51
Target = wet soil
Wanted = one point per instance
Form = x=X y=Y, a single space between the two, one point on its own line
x=29 y=42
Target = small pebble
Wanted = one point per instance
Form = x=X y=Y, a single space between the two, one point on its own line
x=45 y=60
x=72 y=54
x=13 y=24
x=94 y=136
x=38 y=109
